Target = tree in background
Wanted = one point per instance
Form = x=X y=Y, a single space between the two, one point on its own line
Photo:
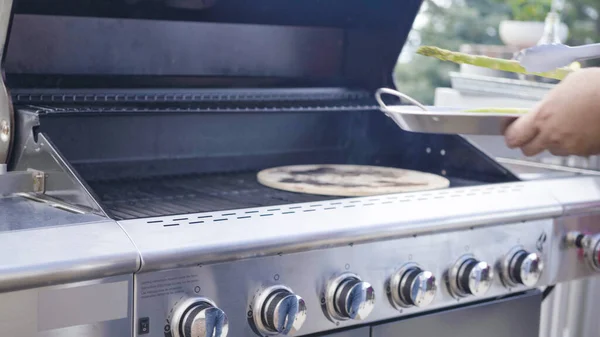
x=451 y=23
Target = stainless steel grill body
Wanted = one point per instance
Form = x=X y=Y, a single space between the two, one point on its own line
x=130 y=187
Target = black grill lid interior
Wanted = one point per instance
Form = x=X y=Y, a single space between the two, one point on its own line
x=231 y=43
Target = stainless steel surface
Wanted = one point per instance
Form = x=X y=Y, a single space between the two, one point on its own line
x=348 y=297
x=521 y=267
x=529 y=170
x=576 y=195
x=503 y=87
x=548 y=57
x=36 y=152
x=412 y=286
x=469 y=277
x=567 y=263
x=442 y=120
x=357 y=332
x=7 y=122
x=21 y=182
x=64 y=254
x=275 y=310
x=98 y=308
x=510 y=317
x=197 y=317
x=19 y=213
x=210 y=252
x=266 y=231
x=234 y=285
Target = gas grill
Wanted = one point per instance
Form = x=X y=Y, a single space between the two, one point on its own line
x=134 y=131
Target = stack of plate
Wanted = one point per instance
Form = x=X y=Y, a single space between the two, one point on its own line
x=497 y=86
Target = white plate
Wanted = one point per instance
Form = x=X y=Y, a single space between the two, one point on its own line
x=443 y=120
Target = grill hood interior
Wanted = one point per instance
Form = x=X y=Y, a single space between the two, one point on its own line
x=156 y=110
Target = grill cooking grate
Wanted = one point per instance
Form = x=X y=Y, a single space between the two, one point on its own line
x=131 y=199
x=190 y=194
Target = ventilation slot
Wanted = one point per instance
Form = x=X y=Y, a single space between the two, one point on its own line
x=329 y=206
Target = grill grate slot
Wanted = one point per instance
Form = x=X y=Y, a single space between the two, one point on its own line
x=208 y=108
x=199 y=102
x=179 y=96
x=198 y=193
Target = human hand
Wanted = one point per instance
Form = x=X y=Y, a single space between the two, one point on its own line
x=565 y=122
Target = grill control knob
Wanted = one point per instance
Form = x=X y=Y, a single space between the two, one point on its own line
x=199 y=317
x=412 y=286
x=590 y=246
x=469 y=276
x=348 y=297
x=278 y=311
x=521 y=267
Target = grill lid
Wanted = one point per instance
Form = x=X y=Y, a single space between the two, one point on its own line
x=224 y=43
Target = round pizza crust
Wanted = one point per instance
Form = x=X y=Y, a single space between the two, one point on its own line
x=349 y=180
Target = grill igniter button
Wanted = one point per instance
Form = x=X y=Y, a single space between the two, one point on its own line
x=470 y=276
x=278 y=311
x=199 y=317
x=412 y=286
x=348 y=297
x=589 y=244
x=521 y=267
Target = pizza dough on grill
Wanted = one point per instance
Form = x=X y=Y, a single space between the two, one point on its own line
x=349 y=180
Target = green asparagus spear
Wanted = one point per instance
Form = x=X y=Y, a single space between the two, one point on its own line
x=488 y=62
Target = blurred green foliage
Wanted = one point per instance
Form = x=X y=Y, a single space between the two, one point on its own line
x=528 y=10
x=450 y=23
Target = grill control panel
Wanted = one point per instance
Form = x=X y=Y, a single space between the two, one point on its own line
x=324 y=290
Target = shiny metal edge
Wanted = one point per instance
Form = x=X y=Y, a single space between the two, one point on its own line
x=577 y=195
x=96 y=308
x=7 y=121
x=206 y=238
x=41 y=154
x=486 y=85
x=64 y=254
x=547 y=167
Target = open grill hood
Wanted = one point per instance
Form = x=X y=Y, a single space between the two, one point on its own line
x=233 y=43
x=152 y=110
